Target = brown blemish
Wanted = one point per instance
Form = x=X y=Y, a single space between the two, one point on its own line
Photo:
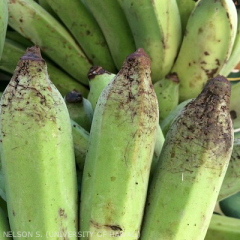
x=173 y=77
x=96 y=70
x=206 y=53
x=61 y=213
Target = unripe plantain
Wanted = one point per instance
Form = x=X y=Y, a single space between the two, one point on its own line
x=98 y=80
x=191 y=168
x=167 y=91
x=37 y=153
x=122 y=140
x=4 y=226
x=80 y=109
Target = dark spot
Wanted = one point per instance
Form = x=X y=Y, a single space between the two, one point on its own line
x=233 y=114
x=206 y=53
x=88 y=32
x=13 y=213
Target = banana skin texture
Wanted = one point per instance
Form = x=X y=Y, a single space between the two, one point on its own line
x=122 y=141
x=40 y=176
x=193 y=161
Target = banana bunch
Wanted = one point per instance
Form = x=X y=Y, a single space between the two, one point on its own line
x=89 y=186
x=128 y=128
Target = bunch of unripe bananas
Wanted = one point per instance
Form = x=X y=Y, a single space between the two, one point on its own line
x=120 y=122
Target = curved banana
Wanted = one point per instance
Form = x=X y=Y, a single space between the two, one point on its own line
x=156 y=27
x=234 y=57
x=115 y=28
x=206 y=46
x=231 y=181
x=40 y=177
x=185 y=8
x=33 y=22
x=3 y=23
x=223 y=228
x=120 y=152
x=98 y=80
x=44 y=4
x=80 y=109
x=13 y=51
x=167 y=91
x=85 y=30
x=192 y=165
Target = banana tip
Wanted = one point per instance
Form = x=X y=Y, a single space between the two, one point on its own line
x=141 y=54
x=32 y=53
x=74 y=97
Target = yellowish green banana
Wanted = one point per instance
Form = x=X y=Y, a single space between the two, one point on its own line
x=80 y=109
x=86 y=31
x=122 y=140
x=3 y=23
x=115 y=28
x=167 y=91
x=98 y=80
x=35 y=23
x=40 y=177
x=223 y=228
x=231 y=182
x=185 y=8
x=156 y=27
x=206 y=46
x=191 y=167
x=13 y=51
x=234 y=58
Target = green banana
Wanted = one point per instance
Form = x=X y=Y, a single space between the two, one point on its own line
x=234 y=57
x=185 y=8
x=223 y=228
x=115 y=28
x=35 y=23
x=81 y=141
x=167 y=91
x=166 y=123
x=191 y=167
x=120 y=152
x=13 y=51
x=4 y=226
x=44 y=4
x=86 y=31
x=98 y=80
x=156 y=28
x=210 y=33
x=37 y=153
x=230 y=206
x=2 y=185
x=80 y=109
x=234 y=106
x=3 y=23
x=231 y=182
